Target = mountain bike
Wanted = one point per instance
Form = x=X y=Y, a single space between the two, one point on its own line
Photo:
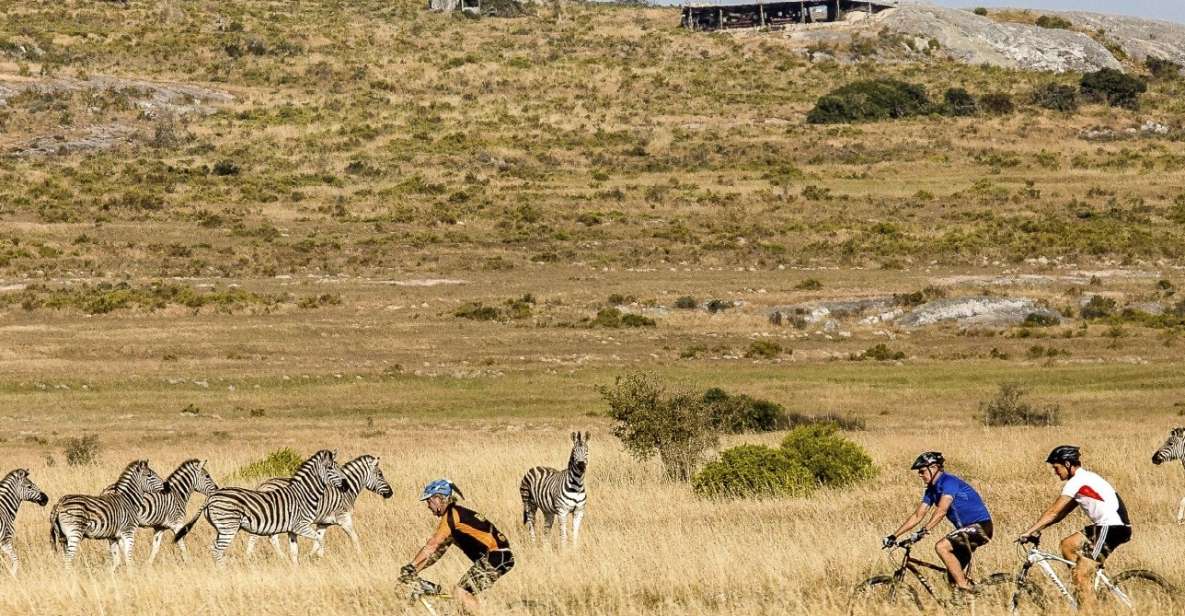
x=426 y=593
x=898 y=589
x=1136 y=590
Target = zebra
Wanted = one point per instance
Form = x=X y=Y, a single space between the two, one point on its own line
x=557 y=492
x=111 y=515
x=15 y=488
x=291 y=509
x=166 y=510
x=337 y=505
x=1173 y=449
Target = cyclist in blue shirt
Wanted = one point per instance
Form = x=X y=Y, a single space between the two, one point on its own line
x=947 y=495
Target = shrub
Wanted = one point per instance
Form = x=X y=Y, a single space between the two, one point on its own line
x=226 y=167
x=1053 y=22
x=82 y=451
x=1098 y=307
x=1040 y=319
x=476 y=311
x=686 y=302
x=1113 y=87
x=753 y=471
x=742 y=413
x=1056 y=96
x=1007 y=409
x=763 y=349
x=637 y=320
x=279 y=463
x=719 y=305
x=649 y=421
x=1162 y=68
x=831 y=459
x=879 y=352
x=979 y=10
x=958 y=102
x=876 y=99
x=810 y=284
x=607 y=317
x=996 y=103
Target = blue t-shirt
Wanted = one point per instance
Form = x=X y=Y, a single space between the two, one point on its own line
x=967 y=508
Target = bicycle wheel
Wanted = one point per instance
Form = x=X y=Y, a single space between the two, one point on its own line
x=882 y=594
x=1001 y=590
x=1142 y=591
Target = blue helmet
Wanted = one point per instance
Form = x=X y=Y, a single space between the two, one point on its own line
x=440 y=487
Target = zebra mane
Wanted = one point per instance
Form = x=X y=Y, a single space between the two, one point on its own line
x=11 y=477
x=125 y=480
x=356 y=472
x=185 y=473
x=305 y=471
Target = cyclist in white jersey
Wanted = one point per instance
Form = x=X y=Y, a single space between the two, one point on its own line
x=1109 y=525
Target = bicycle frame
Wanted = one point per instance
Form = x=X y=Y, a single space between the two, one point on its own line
x=911 y=565
x=1042 y=560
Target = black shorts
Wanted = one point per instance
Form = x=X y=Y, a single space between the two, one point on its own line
x=969 y=538
x=1102 y=540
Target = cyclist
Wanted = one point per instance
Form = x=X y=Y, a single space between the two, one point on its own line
x=477 y=537
x=947 y=495
x=1109 y=525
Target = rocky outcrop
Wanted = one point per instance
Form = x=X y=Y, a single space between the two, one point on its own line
x=1137 y=37
x=974 y=39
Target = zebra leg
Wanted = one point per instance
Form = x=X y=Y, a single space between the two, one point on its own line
x=181 y=545
x=222 y=541
x=251 y=539
x=529 y=517
x=113 y=546
x=577 y=517
x=10 y=551
x=275 y=541
x=294 y=548
x=1181 y=512
x=73 y=539
x=128 y=541
x=347 y=524
x=563 y=528
x=156 y=537
x=319 y=542
x=548 y=521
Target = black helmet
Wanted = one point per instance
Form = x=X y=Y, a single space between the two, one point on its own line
x=1063 y=453
x=928 y=458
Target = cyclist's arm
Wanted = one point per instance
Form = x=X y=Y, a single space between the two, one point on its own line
x=1056 y=512
x=431 y=552
x=939 y=512
x=912 y=521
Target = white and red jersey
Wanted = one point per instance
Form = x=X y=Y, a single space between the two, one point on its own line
x=1097 y=498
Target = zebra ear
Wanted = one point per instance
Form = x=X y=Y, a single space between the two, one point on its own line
x=202 y=464
x=575 y=437
x=586 y=434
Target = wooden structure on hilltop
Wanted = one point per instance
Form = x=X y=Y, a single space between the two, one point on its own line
x=727 y=14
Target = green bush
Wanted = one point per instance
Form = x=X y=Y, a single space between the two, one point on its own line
x=979 y=10
x=753 y=471
x=478 y=312
x=1053 y=22
x=1040 y=319
x=649 y=420
x=1007 y=409
x=1056 y=96
x=279 y=463
x=996 y=103
x=763 y=349
x=1098 y=307
x=809 y=284
x=831 y=459
x=686 y=302
x=958 y=102
x=1161 y=68
x=742 y=413
x=878 y=352
x=863 y=101
x=1113 y=87
x=637 y=320
x=607 y=317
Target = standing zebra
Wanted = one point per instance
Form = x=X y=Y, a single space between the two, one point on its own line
x=111 y=515
x=557 y=492
x=337 y=505
x=291 y=509
x=15 y=488
x=1173 y=449
x=166 y=510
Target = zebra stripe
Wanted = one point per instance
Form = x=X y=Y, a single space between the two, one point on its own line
x=15 y=488
x=337 y=505
x=290 y=509
x=165 y=510
x=557 y=493
x=111 y=515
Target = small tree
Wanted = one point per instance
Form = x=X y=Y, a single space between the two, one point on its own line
x=750 y=471
x=1113 y=87
x=996 y=103
x=1008 y=409
x=832 y=460
x=677 y=427
x=958 y=102
x=1056 y=96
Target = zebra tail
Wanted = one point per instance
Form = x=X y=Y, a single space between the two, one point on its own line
x=55 y=530
x=524 y=490
x=184 y=530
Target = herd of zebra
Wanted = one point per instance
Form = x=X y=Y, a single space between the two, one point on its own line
x=320 y=494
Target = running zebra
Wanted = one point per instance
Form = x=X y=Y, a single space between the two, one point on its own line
x=1173 y=449
x=111 y=515
x=291 y=509
x=15 y=488
x=557 y=492
x=166 y=510
x=337 y=505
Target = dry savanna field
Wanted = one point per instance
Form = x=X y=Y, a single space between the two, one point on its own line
x=231 y=228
